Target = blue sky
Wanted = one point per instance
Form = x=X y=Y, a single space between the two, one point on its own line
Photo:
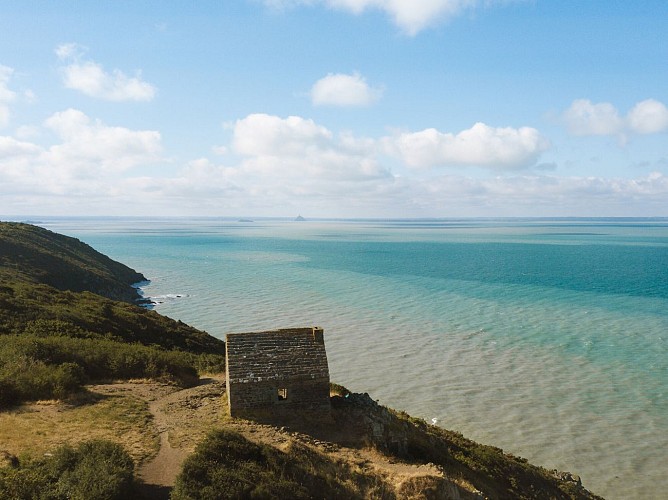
x=334 y=108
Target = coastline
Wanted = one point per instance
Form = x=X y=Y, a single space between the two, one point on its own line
x=548 y=373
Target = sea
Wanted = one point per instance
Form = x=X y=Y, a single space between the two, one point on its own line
x=547 y=338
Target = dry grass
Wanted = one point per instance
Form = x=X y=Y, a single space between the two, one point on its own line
x=191 y=413
x=35 y=429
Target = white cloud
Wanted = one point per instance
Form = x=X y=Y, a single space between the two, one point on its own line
x=648 y=117
x=268 y=135
x=412 y=16
x=293 y=162
x=86 y=166
x=27 y=132
x=481 y=145
x=70 y=50
x=90 y=148
x=586 y=118
x=285 y=166
x=4 y=115
x=6 y=95
x=344 y=90
x=283 y=162
x=298 y=149
x=90 y=78
x=10 y=147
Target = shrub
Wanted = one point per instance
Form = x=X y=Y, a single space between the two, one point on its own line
x=227 y=465
x=67 y=378
x=34 y=367
x=94 y=470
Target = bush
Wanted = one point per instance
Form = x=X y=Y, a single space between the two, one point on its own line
x=227 y=465
x=67 y=378
x=33 y=367
x=94 y=470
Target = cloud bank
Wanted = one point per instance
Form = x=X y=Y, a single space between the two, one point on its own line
x=286 y=165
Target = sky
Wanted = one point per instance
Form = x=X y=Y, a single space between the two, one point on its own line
x=334 y=108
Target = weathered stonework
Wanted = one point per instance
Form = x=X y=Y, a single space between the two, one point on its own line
x=277 y=371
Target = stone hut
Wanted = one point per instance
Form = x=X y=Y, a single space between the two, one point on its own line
x=276 y=372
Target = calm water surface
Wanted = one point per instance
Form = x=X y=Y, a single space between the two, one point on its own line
x=547 y=338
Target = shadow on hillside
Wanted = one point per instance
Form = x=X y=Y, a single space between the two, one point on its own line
x=345 y=424
x=85 y=397
x=153 y=491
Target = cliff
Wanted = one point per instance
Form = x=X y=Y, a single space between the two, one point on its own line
x=41 y=256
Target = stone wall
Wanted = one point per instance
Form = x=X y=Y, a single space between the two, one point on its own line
x=281 y=370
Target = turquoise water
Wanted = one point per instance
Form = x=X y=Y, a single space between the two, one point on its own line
x=547 y=338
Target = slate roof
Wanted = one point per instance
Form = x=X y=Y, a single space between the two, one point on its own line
x=290 y=354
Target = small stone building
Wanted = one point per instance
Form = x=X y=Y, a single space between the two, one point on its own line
x=277 y=372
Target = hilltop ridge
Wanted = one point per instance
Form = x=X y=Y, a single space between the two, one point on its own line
x=42 y=256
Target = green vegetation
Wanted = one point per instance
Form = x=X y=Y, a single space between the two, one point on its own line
x=66 y=319
x=42 y=310
x=227 y=465
x=93 y=470
x=33 y=367
x=41 y=256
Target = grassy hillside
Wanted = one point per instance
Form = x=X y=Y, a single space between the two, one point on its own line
x=66 y=318
x=37 y=255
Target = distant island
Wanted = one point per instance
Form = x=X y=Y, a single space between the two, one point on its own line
x=299 y=218
x=102 y=398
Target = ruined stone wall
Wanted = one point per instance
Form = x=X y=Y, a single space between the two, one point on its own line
x=308 y=395
x=281 y=370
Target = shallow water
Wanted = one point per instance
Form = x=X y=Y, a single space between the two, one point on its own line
x=547 y=338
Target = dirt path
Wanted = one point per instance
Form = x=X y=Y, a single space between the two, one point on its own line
x=159 y=474
x=172 y=412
